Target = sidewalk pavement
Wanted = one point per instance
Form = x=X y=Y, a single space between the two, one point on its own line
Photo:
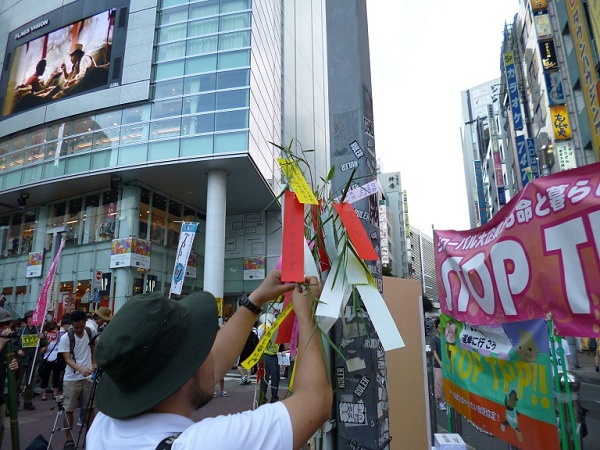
x=587 y=368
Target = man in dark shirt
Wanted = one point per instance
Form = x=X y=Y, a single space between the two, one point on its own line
x=5 y=330
x=438 y=376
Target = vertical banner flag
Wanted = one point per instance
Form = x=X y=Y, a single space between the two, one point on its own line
x=186 y=239
x=292 y=253
x=500 y=378
x=538 y=254
x=40 y=309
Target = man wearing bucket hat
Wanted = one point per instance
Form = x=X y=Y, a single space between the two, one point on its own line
x=161 y=359
x=99 y=319
x=81 y=63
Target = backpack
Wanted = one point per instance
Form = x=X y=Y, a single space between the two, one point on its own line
x=592 y=344
x=71 y=335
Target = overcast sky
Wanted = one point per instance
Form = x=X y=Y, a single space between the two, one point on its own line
x=423 y=54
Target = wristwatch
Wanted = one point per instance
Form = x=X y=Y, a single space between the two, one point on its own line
x=245 y=301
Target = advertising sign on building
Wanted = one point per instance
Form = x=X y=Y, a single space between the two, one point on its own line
x=385 y=259
x=548 y=55
x=34 y=264
x=565 y=155
x=495 y=147
x=130 y=252
x=533 y=160
x=538 y=4
x=542 y=24
x=254 y=268
x=480 y=192
x=523 y=159
x=560 y=122
x=585 y=60
x=554 y=88
x=513 y=90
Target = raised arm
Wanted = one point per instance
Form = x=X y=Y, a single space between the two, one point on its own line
x=231 y=338
x=310 y=404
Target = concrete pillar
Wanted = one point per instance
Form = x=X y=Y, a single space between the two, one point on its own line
x=214 y=253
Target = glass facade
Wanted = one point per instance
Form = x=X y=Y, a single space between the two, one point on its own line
x=201 y=100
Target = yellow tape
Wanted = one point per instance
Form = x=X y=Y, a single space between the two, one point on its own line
x=254 y=358
x=296 y=178
x=29 y=340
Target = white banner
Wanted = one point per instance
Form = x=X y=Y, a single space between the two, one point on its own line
x=186 y=239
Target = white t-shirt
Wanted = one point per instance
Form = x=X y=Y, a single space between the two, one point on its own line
x=93 y=326
x=82 y=353
x=267 y=427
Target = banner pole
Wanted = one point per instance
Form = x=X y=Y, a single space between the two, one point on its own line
x=570 y=407
x=561 y=413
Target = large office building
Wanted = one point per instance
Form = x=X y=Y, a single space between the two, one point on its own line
x=121 y=119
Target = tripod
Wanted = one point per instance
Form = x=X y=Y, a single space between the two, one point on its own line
x=89 y=408
x=60 y=412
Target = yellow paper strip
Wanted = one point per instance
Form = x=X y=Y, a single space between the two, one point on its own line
x=254 y=358
x=294 y=175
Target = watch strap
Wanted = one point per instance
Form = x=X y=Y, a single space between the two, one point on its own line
x=245 y=301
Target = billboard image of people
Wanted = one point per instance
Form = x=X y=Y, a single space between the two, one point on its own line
x=72 y=59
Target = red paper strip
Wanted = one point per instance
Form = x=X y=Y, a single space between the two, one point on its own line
x=292 y=254
x=284 y=334
x=356 y=232
x=323 y=258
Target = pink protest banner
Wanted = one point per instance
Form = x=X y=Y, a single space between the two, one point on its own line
x=40 y=309
x=539 y=254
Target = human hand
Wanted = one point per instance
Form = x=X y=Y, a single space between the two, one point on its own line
x=304 y=295
x=85 y=371
x=13 y=365
x=21 y=353
x=63 y=66
x=270 y=289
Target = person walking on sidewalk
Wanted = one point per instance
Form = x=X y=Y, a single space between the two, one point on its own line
x=153 y=382
x=438 y=375
x=5 y=331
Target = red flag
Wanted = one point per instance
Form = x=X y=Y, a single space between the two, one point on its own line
x=40 y=310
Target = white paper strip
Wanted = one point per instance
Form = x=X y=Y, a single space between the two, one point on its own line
x=310 y=267
x=380 y=317
x=333 y=296
x=356 y=272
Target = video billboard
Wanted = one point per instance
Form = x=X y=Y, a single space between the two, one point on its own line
x=69 y=51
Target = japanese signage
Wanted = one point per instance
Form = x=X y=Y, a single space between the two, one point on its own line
x=560 y=122
x=480 y=193
x=130 y=252
x=565 y=155
x=542 y=245
x=385 y=259
x=406 y=218
x=499 y=377
x=538 y=4
x=533 y=161
x=585 y=60
x=554 y=88
x=548 y=55
x=513 y=90
x=523 y=159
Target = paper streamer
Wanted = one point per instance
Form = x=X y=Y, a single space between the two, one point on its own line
x=356 y=232
x=310 y=267
x=292 y=254
x=333 y=297
x=254 y=358
x=380 y=317
x=297 y=181
x=360 y=192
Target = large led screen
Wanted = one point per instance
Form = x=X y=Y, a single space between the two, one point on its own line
x=67 y=60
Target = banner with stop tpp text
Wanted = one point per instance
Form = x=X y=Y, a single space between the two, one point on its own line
x=500 y=378
x=538 y=254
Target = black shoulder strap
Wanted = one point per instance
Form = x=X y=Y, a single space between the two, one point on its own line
x=72 y=343
x=167 y=442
